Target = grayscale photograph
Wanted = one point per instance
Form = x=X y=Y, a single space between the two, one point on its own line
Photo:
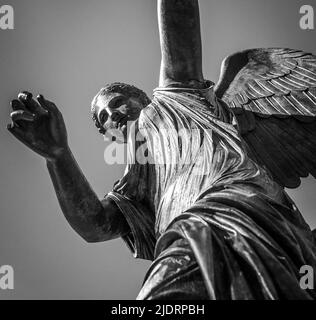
x=158 y=150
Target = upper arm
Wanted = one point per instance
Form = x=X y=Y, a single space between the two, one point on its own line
x=180 y=41
x=110 y=222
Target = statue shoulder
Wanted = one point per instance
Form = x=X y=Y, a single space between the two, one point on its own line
x=147 y=115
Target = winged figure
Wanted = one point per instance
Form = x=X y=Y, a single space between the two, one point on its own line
x=203 y=192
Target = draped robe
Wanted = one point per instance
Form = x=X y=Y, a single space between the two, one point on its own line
x=190 y=188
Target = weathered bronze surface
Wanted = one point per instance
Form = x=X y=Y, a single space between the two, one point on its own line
x=208 y=206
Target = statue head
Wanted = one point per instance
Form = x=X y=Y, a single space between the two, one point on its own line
x=115 y=105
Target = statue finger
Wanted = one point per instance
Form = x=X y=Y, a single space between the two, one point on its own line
x=18 y=132
x=31 y=104
x=17 y=105
x=25 y=95
x=15 y=130
x=21 y=115
x=49 y=106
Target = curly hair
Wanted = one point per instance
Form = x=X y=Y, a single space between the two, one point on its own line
x=122 y=88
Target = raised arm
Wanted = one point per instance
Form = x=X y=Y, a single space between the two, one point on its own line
x=180 y=41
x=40 y=126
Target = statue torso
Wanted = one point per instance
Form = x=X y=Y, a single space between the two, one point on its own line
x=193 y=148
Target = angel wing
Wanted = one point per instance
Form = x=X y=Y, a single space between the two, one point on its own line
x=272 y=93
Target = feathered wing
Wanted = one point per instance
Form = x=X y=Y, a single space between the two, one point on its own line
x=272 y=93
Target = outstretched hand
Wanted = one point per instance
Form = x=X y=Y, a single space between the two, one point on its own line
x=39 y=125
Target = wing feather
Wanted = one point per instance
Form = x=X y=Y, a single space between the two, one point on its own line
x=272 y=93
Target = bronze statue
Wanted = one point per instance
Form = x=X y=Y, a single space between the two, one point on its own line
x=210 y=209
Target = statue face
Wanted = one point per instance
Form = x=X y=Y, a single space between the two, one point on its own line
x=114 y=110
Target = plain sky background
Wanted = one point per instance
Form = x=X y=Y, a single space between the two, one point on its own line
x=67 y=50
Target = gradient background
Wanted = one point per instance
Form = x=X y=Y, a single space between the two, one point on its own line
x=67 y=50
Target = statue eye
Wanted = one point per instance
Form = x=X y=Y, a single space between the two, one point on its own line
x=103 y=117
